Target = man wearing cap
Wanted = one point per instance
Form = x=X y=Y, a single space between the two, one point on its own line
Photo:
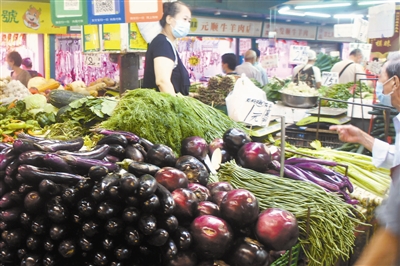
x=308 y=73
x=27 y=65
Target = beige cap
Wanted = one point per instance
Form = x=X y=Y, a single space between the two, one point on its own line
x=312 y=55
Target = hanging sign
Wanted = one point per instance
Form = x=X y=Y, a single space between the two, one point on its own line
x=360 y=29
x=91 y=38
x=106 y=12
x=269 y=61
x=69 y=12
x=93 y=59
x=378 y=27
x=343 y=30
x=224 y=27
x=298 y=54
x=143 y=11
x=329 y=78
x=111 y=37
x=136 y=40
x=364 y=47
x=327 y=33
x=384 y=45
x=290 y=31
x=27 y=17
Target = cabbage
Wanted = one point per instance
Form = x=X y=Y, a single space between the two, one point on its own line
x=49 y=108
x=35 y=101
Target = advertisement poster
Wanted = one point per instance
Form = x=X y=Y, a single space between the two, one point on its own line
x=136 y=41
x=91 y=40
x=69 y=13
x=106 y=12
x=111 y=37
x=27 y=17
x=143 y=11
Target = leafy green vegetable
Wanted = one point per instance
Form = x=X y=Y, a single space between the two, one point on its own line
x=35 y=101
x=67 y=130
x=273 y=87
x=89 y=110
x=343 y=92
x=166 y=119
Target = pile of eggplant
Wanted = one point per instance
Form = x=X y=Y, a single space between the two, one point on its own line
x=126 y=202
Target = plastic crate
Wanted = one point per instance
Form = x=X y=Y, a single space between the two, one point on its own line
x=301 y=138
x=289 y=259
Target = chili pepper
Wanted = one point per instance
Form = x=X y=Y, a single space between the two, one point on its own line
x=7 y=138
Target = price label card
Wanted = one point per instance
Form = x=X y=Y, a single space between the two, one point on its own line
x=329 y=78
x=93 y=59
x=298 y=54
x=269 y=61
x=257 y=112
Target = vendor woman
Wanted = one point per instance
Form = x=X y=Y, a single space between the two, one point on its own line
x=14 y=61
x=163 y=68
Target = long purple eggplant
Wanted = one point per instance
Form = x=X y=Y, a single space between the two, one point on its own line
x=34 y=175
x=12 y=167
x=6 y=156
x=317 y=180
x=315 y=168
x=346 y=180
x=295 y=160
x=296 y=170
x=275 y=165
x=87 y=163
x=32 y=157
x=28 y=137
x=22 y=145
x=288 y=172
x=57 y=163
x=347 y=198
x=98 y=153
x=334 y=180
x=132 y=138
x=146 y=144
x=69 y=145
x=4 y=145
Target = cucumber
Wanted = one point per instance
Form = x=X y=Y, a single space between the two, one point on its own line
x=61 y=98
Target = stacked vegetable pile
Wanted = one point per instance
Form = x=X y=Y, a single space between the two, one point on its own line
x=273 y=88
x=11 y=90
x=62 y=206
x=325 y=62
x=218 y=88
x=162 y=118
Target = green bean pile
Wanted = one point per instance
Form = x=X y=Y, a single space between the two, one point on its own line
x=331 y=224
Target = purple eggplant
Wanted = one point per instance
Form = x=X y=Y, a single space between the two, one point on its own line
x=10 y=199
x=347 y=198
x=288 y=172
x=141 y=168
x=146 y=144
x=134 y=154
x=34 y=175
x=166 y=200
x=49 y=188
x=315 y=168
x=295 y=160
x=4 y=145
x=10 y=215
x=57 y=163
x=161 y=155
x=317 y=180
x=7 y=155
x=132 y=138
x=69 y=145
x=23 y=145
x=34 y=158
x=12 y=167
x=33 y=202
x=114 y=139
x=194 y=169
x=98 y=153
x=334 y=180
x=22 y=135
x=85 y=164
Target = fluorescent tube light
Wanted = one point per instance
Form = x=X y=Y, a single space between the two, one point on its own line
x=366 y=3
x=320 y=15
x=322 y=5
x=291 y=13
x=348 y=16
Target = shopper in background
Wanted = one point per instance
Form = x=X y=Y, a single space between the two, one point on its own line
x=27 y=65
x=163 y=68
x=229 y=63
x=258 y=65
x=384 y=247
x=347 y=69
x=308 y=73
x=14 y=61
x=248 y=68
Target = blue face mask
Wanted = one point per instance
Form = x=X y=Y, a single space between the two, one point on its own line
x=384 y=99
x=9 y=67
x=181 y=29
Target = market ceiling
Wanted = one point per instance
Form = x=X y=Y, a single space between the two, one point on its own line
x=290 y=11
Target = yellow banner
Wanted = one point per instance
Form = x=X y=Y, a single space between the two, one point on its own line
x=112 y=37
x=136 y=40
x=91 y=40
x=27 y=17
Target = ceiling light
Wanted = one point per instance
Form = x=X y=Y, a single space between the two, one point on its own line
x=366 y=3
x=244 y=16
x=292 y=13
x=320 y=15
x=322 y=5
x=284 y=8
x=350 y=16
x=288 y=20
x=306 y=22
x=217 y=13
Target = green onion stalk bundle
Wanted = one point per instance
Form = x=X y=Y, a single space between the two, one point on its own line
x=166 y=119
x=331 y=224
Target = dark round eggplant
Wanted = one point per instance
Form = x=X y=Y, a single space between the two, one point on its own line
x=129 y=183
x=10 y=199
x=91 y=228
x=182 y=238
x=69 y=196
x=11 y=182
x=114 y=194
x=117 y=151
x=85 y=243
x=169 y=250
x=49 y=188
x=67 y=248
x=86 y=207
x=108 y=181
x=107 y=210
x=147 y=224
x=34 y=242
x=132 y=236
x=130 y=214
x=22 y=252
x=83 y=187
x=151 y=205
x=39 y=225
x=234 y=139
x=25 y=219
x=171 y=178
x=97 y=193
x=31 y=260
x=194 y=146
x=247 y=252
x=195 y=170
x=134 y=154
x=108 y=243
x=25 y=188
x=97 y=172
x=114 y=226
x=122 y=252
x=186 y=204
x=169 y=223
x=100 y=259
x=132 y=201
x=58 y=231
x=166 y=200
x=15 y=237
x=208 y=208
x=158 y=238
x=142 y=168
x=33 y=202
x=50 y=259
x=76 y=218
x=114 y=139
x=147 y=186
x=187 y=258
x=57 y=212
x=201 y=192
x=49 y=244
x=10 y=215
x=161 y=155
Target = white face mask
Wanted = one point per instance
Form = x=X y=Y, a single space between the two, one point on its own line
x=384 y=99
x=181 y=29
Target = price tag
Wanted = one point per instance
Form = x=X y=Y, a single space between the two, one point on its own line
x=329 y=78
x=298 y=54
x=93 y=59
x=269 y=61
x=258 y=112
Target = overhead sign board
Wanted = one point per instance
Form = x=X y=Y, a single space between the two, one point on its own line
x=290 y=31
x=225 y=27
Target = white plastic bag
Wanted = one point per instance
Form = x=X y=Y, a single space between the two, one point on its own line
x=149 y=30
x=248 y=104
